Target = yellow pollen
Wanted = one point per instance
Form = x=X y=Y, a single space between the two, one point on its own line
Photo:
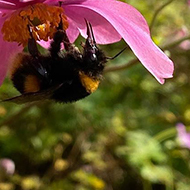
x=42 y=19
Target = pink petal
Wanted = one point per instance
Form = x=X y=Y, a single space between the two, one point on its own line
x=55 y=2
x=129 y=23
x=72 y=31
x=15 y=4
x=7 y=166
x=44 y=44
x=104 y=32
x=183 y=136
x=7 y=50
x=6 y=5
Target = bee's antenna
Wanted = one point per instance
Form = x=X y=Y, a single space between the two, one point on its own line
x=117 y=54
x=90 y=31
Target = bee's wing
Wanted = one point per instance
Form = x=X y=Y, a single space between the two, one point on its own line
x=34 y=96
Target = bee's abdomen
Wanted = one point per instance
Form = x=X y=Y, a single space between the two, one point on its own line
x=70 y=91
x=23 y=75
x=80 y=86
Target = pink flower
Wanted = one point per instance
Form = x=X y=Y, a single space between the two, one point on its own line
x=7 y=168
x=188 y=3
x=111 y=20
x=183 y=136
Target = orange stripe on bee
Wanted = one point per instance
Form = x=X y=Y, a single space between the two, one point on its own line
x=31 y=84
x=89 y=83
x=16 y=62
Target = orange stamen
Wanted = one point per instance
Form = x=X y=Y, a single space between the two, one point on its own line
x=42 y=19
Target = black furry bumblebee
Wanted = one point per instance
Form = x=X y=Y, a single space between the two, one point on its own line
x=63 y=77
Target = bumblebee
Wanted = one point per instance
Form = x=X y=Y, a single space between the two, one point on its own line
x=63 y=76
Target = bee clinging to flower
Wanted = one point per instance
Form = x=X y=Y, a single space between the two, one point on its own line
x=110 y=23
x=63 y=76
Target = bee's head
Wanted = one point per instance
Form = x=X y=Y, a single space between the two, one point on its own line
x=92 y=55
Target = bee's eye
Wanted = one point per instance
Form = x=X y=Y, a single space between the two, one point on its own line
x=91 y=52
x=93 y=57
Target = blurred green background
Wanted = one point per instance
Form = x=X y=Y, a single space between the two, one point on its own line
x=122 y=137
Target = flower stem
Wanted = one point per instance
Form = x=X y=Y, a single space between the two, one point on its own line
x=166 y=134
x=121 y=67
x=157 y=12
x=173 y=44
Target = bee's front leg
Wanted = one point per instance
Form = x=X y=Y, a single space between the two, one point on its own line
x=32 y=45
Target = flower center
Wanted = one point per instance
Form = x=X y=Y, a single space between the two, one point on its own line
x=42 y=20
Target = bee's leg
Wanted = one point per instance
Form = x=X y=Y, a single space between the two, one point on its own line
x=56 y=43
x=60 y=36
x=71 y=48
x=67 y=44
x=32 y=45
x=37 y=65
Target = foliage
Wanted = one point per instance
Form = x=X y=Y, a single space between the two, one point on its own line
x=121 y=137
